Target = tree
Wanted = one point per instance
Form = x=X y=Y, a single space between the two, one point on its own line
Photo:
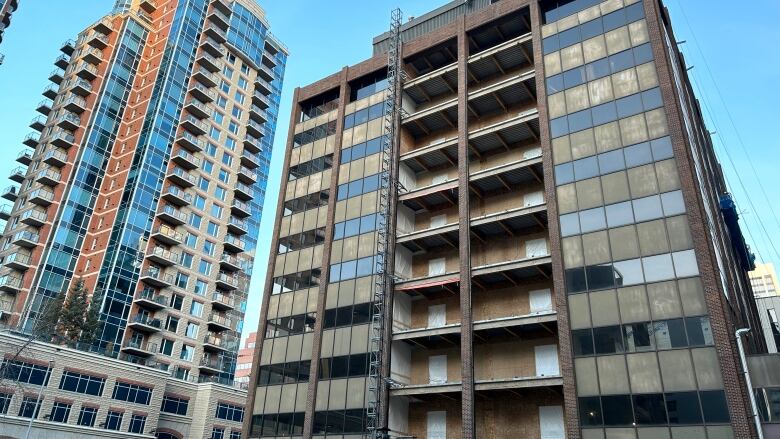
x=92 y=319
x=73 y=313
x=48 y=320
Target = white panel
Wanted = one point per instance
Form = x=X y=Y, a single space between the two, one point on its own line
x=532 y=153
x=401 y=363
x=541 y=300
x=551 y=422
x=533 y=199
x=405 y=223
x=436 y=266
x=437 y=425
x=437 y=369
x=399 y=415
x=438 y=221
x=402 y=311
x=535 y=248
x=437 y=316
x=547 y=360
x=436 y=179
x=403 y=262
x=407 y=178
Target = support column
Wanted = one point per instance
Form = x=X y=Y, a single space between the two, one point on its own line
x=464 y=236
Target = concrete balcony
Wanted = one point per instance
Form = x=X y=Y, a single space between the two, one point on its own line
x=148 y=6
x=186 y=160
x=227 y=281
x=216 y=343
x=252 y=143
x=265 y=73
x=212 y=47
x=80 y=87
x=92 y=55
x=171 y=215
x=202 y=93
x=247 y=175
x=139 y=348
x=156 y=278
x=35 y=217
x=150 y=299
x=253 y=127
x=68 y=47
x=222 y=302
x=176 y=196
x=51 y=91
x=86 y=71
x=38 y=123
x=218 y=322
x=11 y=193
x=190 y=142
x=144 y=323
x=55 y=157
x=250 y=160
x=32 y=140
x=68 y=121
x=25 y=238
x=18 y=173
x=222 y=5
x=62 y=61
x=163 y=256
x=233 y=244
x=167 y=235
x=11 y=283
x=19 y=261
x=205 y=77
x=194 y=126
x=260 y=100
x=240 y=209
x=244 y=192
x=229 y=263
x=237 y=226
x=198 y=109
x=263 y=86
x=41 y=197
x=182 y=178
x=48 y=177
x=104 y=26
x=24 y=157
x=75 y=104
x=44 y=107
x=97 y=40
x=268 y=58
x=62 y=138
x=56 y=76
x=209 y=62
x=5 y=212
x=219 y=18
x=211 y=364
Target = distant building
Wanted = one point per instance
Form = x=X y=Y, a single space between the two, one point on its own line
x=244 y=362
x=7 y=7
x=764 y=280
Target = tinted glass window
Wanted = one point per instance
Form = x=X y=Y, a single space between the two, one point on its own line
x=683 y=408
x=649 y=409
x=590 y=411
x=617 y=410
x=608 y=340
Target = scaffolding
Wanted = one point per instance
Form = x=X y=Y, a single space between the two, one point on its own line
x=384 y=270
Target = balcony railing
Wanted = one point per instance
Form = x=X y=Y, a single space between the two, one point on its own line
x=146 y=321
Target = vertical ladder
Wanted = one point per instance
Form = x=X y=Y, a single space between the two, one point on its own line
x=384 y=273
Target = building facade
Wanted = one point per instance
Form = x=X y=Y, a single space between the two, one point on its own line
x=564 y=258
x=245 y=358
x=763 y=280
x=145 y=179
x=7 y=8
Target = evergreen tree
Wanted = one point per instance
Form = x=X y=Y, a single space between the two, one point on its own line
x=46 y=327
x=92 y=319
x=73 y=313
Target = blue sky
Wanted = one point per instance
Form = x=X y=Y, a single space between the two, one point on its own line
x=325 y=36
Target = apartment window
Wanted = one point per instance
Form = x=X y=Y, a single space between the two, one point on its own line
x=199 y=202
x=87 y=416
x=29 y=373
x=230 y=412
x=190 y=240
x=217 y=433
x=60 y=412
x=230 y=143
x=182 y=280
x=233 y=127
x=227 y=159
x=203 y=184
x=30 y=407
x=235 y=434
x=186 y=259
x=224 y=86
x=211 y=149
x=358 y=187
x=208 y=247
x=224 y=176
x=196 y=309
x=244 y=69
x=137 y=423
x=166 y=347
x=208 y=166
x=132 y=393
x=352 y=269
x=216 y=210
x=187 y=352
x=172 y=324
x=220 y=193
x=218 y=117
x=201 y=287
x=213 y=229
x=214 y=133
x=227 y=71
x=172 y=404
x=231 y=58
x=242 y=83
x=222 y=102
x=113 y=420
x=5 y=401
x=192 y=330
x=82 y=383
x=237 y=112
x=195 y=220
x=239 y=97
x=176 y=301
x=204 y=268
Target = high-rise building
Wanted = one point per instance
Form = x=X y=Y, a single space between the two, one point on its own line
x=245 y=357
x=145 y=179
x=560 y=258
x=763 y=280
x=7 y=8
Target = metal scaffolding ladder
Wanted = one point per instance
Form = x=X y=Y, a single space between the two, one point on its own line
x=383 y=270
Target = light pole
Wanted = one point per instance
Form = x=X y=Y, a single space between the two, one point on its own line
x=37 y=404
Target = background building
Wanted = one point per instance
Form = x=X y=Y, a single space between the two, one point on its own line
x=7 y=8
x=764 y=283
x=561 y=258
x=245 y=356
x=145 y=178
x=764 y=280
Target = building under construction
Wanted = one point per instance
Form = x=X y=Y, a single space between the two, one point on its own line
x=508 y=223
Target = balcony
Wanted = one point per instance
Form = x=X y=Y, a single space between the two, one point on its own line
x=205 y=77
x=262 y=86
x=68 y=121
x=227 y=281
x=253 y=127
x=216 y=33
x=222 y=302
x=24 y=157
x=51 y=91
x=202 y=93
x=92 y=55
x=186 y=160
x=163 y=256
x=104 y=26
x=144 y=323
x=48 y=177
x=219 y=322
x=258 y=114
x=38 y=123
x=75 y=104
x=260 y=100
x=173 y=216
x=5 y=212
x=252 y=143
x=190 y=142
x=10 y=193
x=18 y=173
x=240 y=209
x=86 y=71
x=68 y=47
x=182 y=177
x=32 y=140
x=266 y=73
x=229 y=263
x=214 y=342
x=25 y=238
x=33 y=217
x=55 y=157
x=247 y=175
x=81 y=87
x=156 y=278
x=212 y=47
x=44 y=107
x=10 y=283
x=268 y=58
x=148 y=6
x=197 y=109
x=194 y=126
x=219 y=18
x=233 y=244
x=139 y=347
x=222 y=5
x=151 y=299
x=62 y=138
x=209 y=62
x=41 y=197
x=237 y=226
x=211 y=364
x=97 y=40
x=243 y=191
x=167 y=235
x=18 y=261
x=62 y=61
x=176 y=196
x=56 y=76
